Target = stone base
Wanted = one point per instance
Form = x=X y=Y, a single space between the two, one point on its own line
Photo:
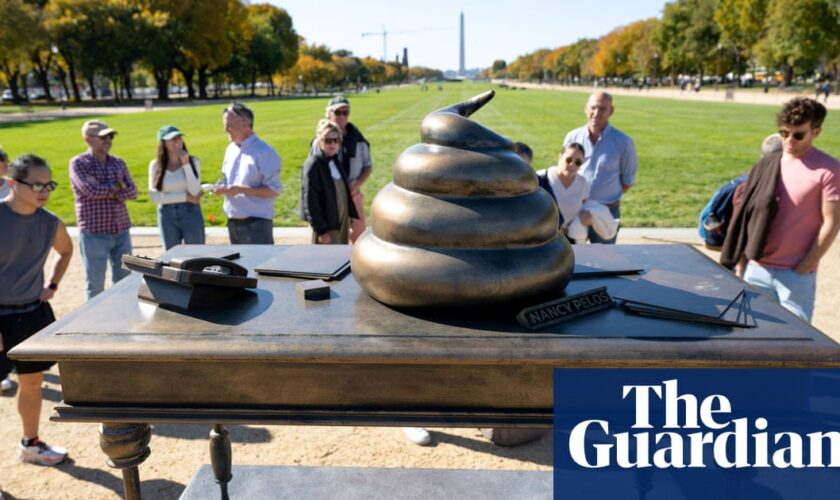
x=256 y=482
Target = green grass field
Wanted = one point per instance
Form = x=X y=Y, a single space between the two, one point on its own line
x=686 y=149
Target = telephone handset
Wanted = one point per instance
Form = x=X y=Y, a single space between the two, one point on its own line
x=211 y=271
x=209 y=264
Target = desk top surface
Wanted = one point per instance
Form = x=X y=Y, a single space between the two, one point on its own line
x=273 y=323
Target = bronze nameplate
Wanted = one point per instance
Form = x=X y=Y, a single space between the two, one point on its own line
x=560 y=310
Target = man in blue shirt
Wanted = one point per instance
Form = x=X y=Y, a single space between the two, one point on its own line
x=251 y=171
x=610 y=165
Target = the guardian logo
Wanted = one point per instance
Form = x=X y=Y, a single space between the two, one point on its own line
x=697 y=434
x=693 y=431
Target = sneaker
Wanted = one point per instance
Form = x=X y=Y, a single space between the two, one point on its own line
x=6 y=385
x=41 y=453
x=418 y=435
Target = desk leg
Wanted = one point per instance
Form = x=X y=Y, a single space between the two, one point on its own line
x=221 y=458
x=127 y=446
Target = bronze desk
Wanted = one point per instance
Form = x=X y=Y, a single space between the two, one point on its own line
x=275 y=359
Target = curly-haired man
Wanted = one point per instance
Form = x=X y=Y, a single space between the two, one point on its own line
x=790 y=215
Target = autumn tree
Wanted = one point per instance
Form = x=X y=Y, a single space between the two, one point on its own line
x=16 y=19
x=80 y=34
x=205 y=42
x=613 y=57
x=576 y=59
x=310 y=72
x=40 y=46
x=162 y=40
x=798 y=38
x=375 y=70
x=273 y=45
x=124 y=30
x=317 y=51
x=742 y=25
x=687 y=36
x=348 y=70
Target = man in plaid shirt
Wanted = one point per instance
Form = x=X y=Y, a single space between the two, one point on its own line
x=101 y=184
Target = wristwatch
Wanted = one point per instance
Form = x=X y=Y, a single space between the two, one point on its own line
x=53 y=286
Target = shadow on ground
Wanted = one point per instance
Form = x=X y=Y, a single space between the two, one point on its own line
x=156 y=488
x=238 y=433
x=537 y=452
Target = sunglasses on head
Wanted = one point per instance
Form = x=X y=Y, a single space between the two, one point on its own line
x=40 y=186
x=341 y=112
x=239 y=110
x=577 y=161
x=798 y=136
x=332 y=140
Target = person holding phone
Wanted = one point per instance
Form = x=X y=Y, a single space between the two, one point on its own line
x=175 y=187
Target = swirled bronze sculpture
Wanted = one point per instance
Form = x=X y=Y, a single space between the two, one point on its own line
x=464 y=223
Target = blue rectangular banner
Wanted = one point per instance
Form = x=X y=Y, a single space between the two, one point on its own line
x=696 y=434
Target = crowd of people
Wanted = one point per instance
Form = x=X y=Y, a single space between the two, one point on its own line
x=786 y=219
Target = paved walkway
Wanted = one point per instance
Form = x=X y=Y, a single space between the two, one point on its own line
x=774 y=97
x=56 y=114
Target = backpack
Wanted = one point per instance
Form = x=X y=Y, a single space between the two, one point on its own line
x=714 y=219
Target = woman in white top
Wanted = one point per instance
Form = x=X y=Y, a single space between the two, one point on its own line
x=568 y=188
x=174 y=186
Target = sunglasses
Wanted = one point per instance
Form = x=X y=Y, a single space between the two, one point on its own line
x=239 y=110
x=345 y=112
x=797 y=136
x=109 y=137
x=40 y=186
x=577 y=161
x=332 y=140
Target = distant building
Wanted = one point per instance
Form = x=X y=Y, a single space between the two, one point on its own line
x=462 y=65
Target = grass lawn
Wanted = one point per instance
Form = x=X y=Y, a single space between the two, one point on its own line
x=686 y=149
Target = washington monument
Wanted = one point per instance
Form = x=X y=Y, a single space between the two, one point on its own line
x=461 y=70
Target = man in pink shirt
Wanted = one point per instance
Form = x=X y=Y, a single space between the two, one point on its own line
x=807 y=220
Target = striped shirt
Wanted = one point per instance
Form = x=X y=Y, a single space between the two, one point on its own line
x=100 y=209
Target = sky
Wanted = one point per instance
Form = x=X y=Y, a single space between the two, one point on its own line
x=429 y=28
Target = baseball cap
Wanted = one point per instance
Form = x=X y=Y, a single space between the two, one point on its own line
x=772 y=144
x=168 y=132
x=337 y=102
x=96 y=128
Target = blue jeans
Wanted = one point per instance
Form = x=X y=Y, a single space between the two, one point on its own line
x=593 y=236
x=97 y=250
x=180 y=223
x=794 y=291
x=251 y=231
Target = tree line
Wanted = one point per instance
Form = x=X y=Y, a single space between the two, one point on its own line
x=698 y=38
x=206 y=45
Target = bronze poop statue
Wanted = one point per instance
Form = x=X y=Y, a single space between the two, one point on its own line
x=464 y=223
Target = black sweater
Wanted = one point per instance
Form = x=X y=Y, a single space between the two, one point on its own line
x=748 y=230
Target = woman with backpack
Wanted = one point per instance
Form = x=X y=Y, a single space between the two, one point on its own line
x=175 y=187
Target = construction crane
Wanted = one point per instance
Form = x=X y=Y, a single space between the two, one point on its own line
x=384 y=33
